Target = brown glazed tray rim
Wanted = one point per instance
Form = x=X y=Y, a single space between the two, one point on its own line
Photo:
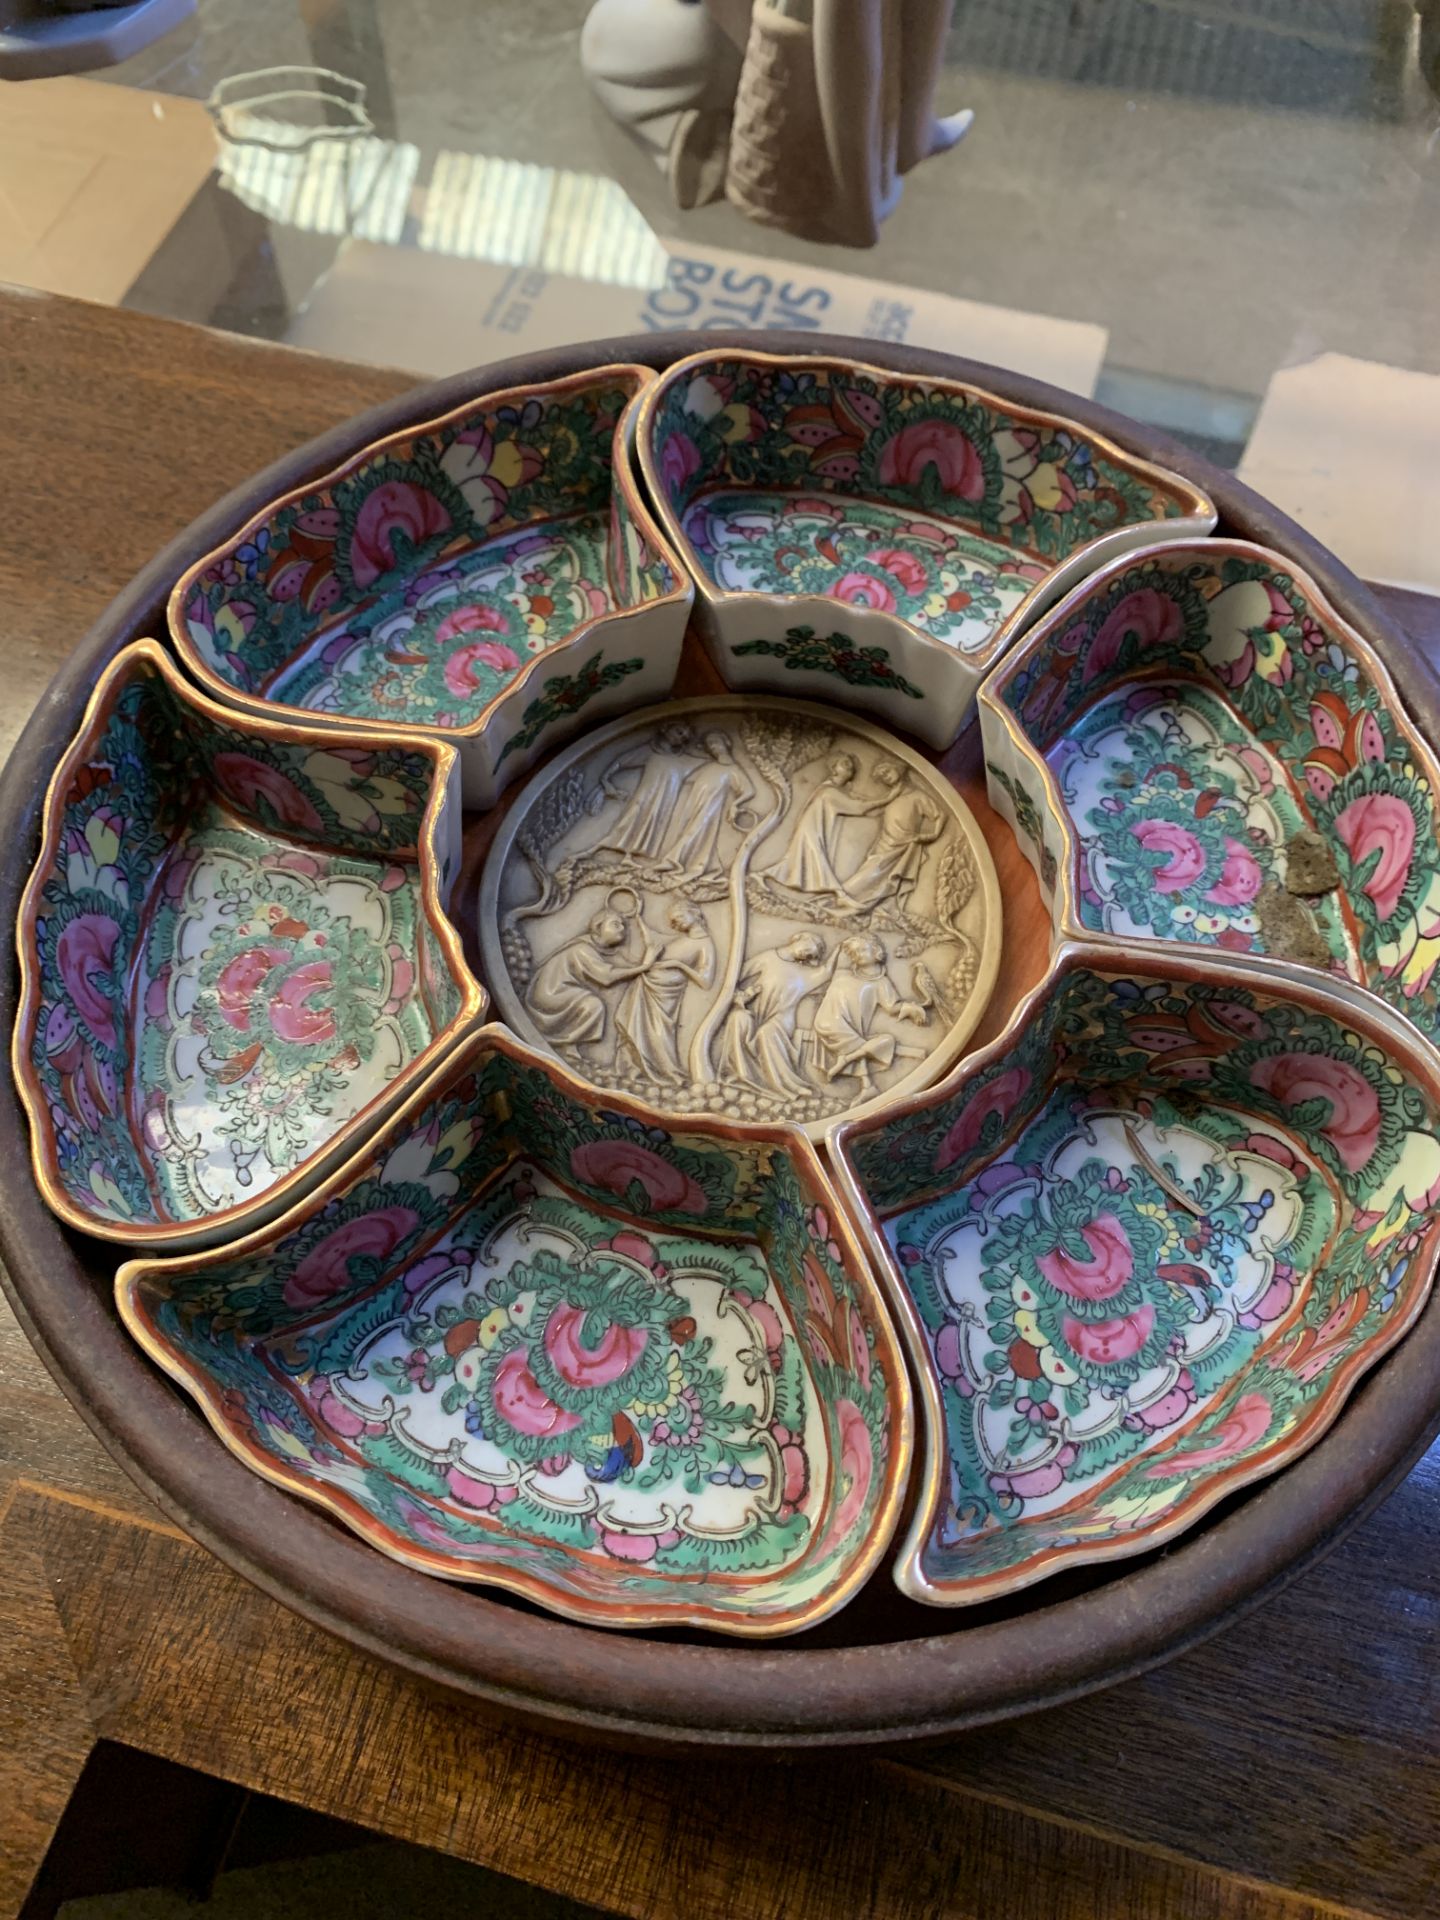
x=634 y=1688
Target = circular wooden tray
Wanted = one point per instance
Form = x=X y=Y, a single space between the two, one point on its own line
x=885 y=1669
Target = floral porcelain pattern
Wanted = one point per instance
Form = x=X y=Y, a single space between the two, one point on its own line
x=551 y=1358
x=634 y=1369
x=231 y=949
x=1186 y=821
x=1206 y=719
x=536 y=1341
x=1149 y=1244
x=279 y=997
x=417 y=584
x=804 y=651
x=899 y=494
x=956 y=586
x=565 y=694
x=439 y=646
x=1028 y=821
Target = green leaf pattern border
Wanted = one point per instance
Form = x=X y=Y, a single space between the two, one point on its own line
x=493 y=1103
x=1311 y=1070
x=501 y=464
x=804 y=651
x=149 y=752
x=832 y=427
x=1302 y=683
x=653 y=576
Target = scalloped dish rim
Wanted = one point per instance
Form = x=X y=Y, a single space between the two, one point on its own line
x=1198 y=521
x=680 y=595
x=276 y=1200
x=1065 y=919
x=1069 y=955
x=869 y=1552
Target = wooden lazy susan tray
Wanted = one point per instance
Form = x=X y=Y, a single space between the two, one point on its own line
x=940 y=1216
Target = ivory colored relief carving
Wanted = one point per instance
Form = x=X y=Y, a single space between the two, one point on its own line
x=758 y=908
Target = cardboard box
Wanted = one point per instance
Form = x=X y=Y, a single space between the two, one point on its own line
x=92 y=178
x=436 y=314
x=1349 y=448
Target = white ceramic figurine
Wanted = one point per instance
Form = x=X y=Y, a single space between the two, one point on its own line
x=805 y=114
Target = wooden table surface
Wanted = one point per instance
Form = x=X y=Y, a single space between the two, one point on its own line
x=1289 y=1768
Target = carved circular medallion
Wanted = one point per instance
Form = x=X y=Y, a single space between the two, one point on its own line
x=764 y=909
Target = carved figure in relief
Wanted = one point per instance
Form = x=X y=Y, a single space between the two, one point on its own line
x=712 y=797
x=909 y=822
x=759 y=1042
x=647 y=1018
x=749 y=908
x=808 y=864
x=845 y=1043
x=567 y=997
x=664 y=765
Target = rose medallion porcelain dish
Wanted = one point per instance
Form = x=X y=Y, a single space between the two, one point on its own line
x=634 y=1371
x=491 y=574
x=1143 y=1246
x=308 y=1434
x=234 y=957
x=878 y=539
x=743 y=906
x=1195 y=747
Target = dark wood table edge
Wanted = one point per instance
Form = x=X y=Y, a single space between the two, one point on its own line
x=793 y=1697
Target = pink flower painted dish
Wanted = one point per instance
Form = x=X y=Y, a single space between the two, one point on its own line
x=1142 y=1248
x=489 y=575
x=1194 y=747
x=880 y=539
x=234 y=957
x=634 y=1369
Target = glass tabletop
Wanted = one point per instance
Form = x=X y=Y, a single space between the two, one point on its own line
x=1222 y=216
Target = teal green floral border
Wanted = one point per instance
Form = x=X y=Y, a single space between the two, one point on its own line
x=804 y=651
x=1304 y=693
x=420 y=1179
